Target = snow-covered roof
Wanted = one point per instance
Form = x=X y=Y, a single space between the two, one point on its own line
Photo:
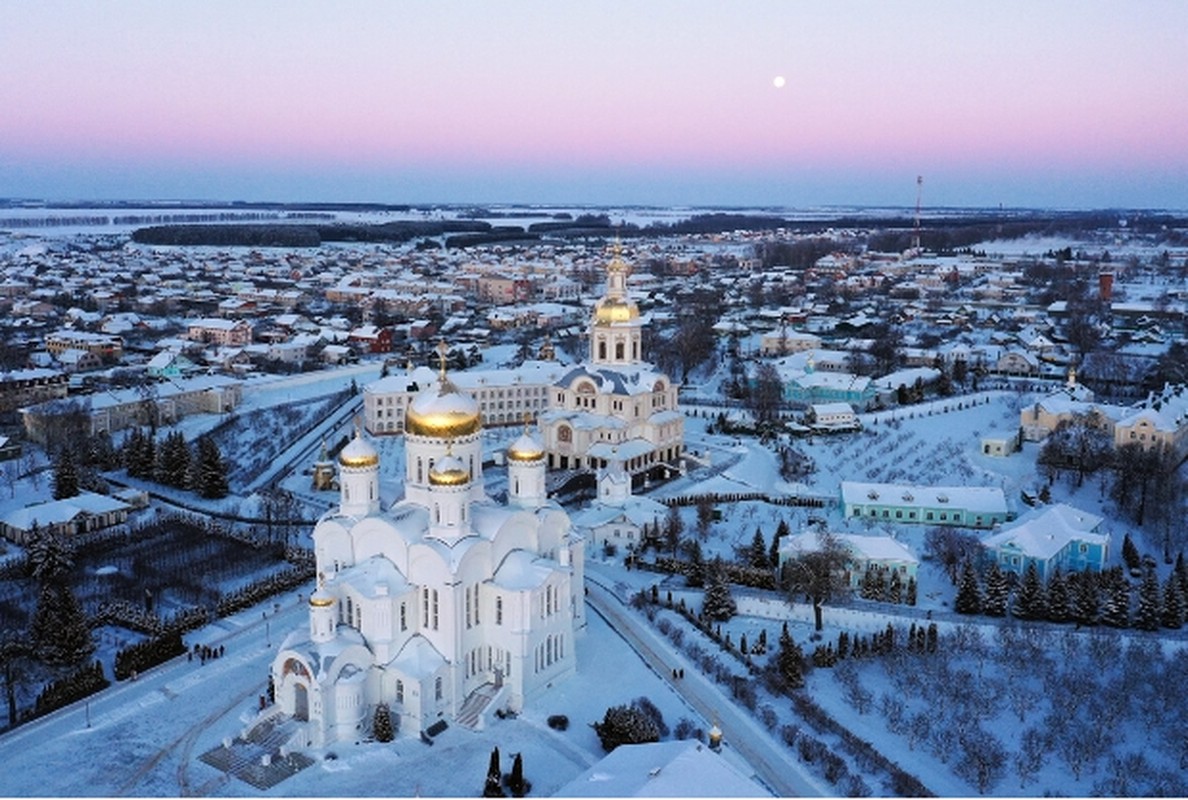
x=681 y=768
x=871 y=548
x=522 y=569
x=1044 y=532
x=986 y=499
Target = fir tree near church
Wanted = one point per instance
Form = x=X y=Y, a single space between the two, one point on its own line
x=60 y=632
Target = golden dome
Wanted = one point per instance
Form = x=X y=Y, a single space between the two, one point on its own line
x=321 y=598
x=358 y=454
x=443 y=412
x=449 y=471
x=610 y=310
x=525 y=449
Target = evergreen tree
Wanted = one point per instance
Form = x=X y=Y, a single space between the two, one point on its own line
x=895 y=588
x=718 y=603
x=1130 y=553
x=516 y=782
x=173 y=461
x=59 y=630
x=1172 y=610
x=969 y=595
x=493 y=787
x=1086 y=600
x=211 y=470
x=1030 y=602
x=994 y=603
x=381 y=727
x=673 y=528
x=140 y=454
x=1116 y=609
x=773 y=553
x=757 y=555
x=625 y=725
x=65 y=475
x=1149 y=613
x=696 y=576
x=911 y=592
x=790 y=661
x=1059 y=599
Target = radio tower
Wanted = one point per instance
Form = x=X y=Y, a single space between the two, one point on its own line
x=916 y=234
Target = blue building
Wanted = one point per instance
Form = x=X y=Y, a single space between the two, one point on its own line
x=1049 y=537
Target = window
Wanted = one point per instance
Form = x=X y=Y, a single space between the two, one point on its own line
x=498 y=610
x=404 y=616
x=438 y=687
x=399 y=691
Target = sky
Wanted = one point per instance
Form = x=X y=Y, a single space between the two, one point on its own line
x=1063 y=103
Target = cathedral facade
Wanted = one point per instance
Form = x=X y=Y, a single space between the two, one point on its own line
x=444 y=605
x=615 y=406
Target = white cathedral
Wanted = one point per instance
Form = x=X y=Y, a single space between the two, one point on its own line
x=445 y=605
x=615 y=406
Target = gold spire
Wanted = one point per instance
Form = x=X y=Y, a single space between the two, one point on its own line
x=443 y=351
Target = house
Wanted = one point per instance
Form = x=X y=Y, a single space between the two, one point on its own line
x=616 y=518
x=105 y=347
x=169 y=364
x=74 y=515
x=227 y=332
x=833 y=417
x=1050 y=537
x=783 y=342
x=963 y=506
x=866 y=553
x=998 y=443
x=1162 y=419
x=22 y=387
x=371 y=339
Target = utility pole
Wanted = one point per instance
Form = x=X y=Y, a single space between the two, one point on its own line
x=916 y=234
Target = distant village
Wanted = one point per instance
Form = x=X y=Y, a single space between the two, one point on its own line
x=611 y=382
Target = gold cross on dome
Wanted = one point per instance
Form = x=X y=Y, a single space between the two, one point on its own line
x=442 y=351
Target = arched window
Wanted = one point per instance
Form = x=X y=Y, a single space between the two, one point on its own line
x=601 y=350
x=619 y=351
x=438 y=686
x=564 y=434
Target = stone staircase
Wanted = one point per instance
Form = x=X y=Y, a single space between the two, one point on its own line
x=256 y=757
x=471 y=713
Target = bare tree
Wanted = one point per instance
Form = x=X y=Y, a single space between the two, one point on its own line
x=818 y=574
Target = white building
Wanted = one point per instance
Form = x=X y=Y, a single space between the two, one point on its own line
x=616 y=518
x=444 y=605
x=504 y=396
x=615 y=403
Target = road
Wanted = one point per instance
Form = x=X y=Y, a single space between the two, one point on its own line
x=774 y=765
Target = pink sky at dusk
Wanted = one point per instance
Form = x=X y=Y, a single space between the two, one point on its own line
x=1055 y=103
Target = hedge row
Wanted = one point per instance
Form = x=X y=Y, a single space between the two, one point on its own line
x=83 y=682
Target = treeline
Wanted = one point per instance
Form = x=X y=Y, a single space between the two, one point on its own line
x=278 y=235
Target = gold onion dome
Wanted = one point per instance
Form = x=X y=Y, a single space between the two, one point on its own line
x=321 y=598
x=358 y=453
x=443 y=412
x=449 y=471
x=610 y=310
x=525 y=448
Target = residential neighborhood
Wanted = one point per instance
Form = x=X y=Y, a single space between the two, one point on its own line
x=752 y=427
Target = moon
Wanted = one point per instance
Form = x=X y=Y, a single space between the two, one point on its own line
x=778 y=82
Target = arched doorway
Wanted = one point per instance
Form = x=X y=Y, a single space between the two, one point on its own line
x=301 y=702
